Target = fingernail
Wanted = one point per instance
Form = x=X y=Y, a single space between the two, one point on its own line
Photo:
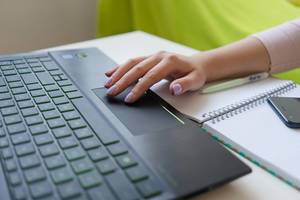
x=111 y=90
x=177 y=89
x=108 y=82
x=129 y=98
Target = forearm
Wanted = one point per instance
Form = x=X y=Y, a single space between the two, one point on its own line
x=241 y=58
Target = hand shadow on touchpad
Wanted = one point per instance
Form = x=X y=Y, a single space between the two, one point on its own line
x=144 y=116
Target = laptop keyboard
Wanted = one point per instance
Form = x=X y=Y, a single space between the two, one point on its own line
x=50 y=150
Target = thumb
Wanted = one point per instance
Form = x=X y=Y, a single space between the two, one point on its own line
x=190 y=82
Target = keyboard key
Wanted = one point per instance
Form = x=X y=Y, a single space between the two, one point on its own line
x=51 y=114
x=24 y=149
x=106 y=166
x=56 y=123
x=38 y=129
x=9 y=111
x=50 y=88
x=24 y=71
x=45 y=59
x=67 y=142
x=29 y=161
x=14 y=179
x=65 y=107
x=41 y=189
x=33 y=120
x=37 y=93
x=117 y=149
x=82 y=165
x=60 y=100
x=10 y=165
x=20 y=90
x=71 y=115
x=74 y=95
x=34 y=174
x=69 y=190
x=148 y=188
x=13 y=78
x=19 y=193
x=22 y=97
x=55 y=72
x=38 y=69
x=35 y=86
x=29 y=112
x=42 y=139
x=50 y=65
x=7 y=153
x=20 y=138
x=42 y=99
x=9 y=72
x=137 y=173
x=97 y=154
x=32 y=60
x=70 y=88
x=45 y=78
x=2 y=82
x=90 y=143
x=64 y=83
x=74 y=153
x=100 y=192
x=90 y=179
x=126 y=160
x=25 y=104
x=3 y=89
x=77 y=123
x=4 y=96
x=15 y=84
x=19 y=61
x=29 y=78
x=61 y=175
x=6 y=103
x=21 y=66
x=62 y=132
x=12 y=119
x=16 y=128
x=48 y=150
x=56 y=93
x=121 y=186
x=4 y=143
x=7 y=67
x=55 y=162
x=83 y=133
x=46 y=107
x=63 y=77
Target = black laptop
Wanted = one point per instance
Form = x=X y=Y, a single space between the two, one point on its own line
x=61 y=137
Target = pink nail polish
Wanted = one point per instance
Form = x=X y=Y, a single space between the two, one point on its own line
x=129 y=98
x=108 y=82
x=177 y=89
x=111 y=90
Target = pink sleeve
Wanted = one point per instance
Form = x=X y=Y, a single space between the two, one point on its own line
x=283 y=45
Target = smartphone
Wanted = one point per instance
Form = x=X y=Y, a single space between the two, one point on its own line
x=288 y=110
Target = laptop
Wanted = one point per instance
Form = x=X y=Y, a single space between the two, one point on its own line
x=61 y=137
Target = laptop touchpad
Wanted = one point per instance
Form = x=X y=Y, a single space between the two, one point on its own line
x=142 y=117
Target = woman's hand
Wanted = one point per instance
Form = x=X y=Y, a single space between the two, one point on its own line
x=185 y=73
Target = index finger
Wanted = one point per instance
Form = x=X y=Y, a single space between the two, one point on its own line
x=159 y=72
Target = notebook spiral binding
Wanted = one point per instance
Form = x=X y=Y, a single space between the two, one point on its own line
x=246 y=104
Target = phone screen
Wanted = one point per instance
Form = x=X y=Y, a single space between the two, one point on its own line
x=288 y=109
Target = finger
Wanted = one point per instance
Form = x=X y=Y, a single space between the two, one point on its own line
x=159 y=72
x=111 y=71
x=133 y=75
x=122 y=69
x=190 y=82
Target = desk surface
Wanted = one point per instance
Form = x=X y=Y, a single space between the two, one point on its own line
x=259 y=184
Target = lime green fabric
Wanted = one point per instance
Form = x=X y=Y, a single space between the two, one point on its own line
x=201 y=24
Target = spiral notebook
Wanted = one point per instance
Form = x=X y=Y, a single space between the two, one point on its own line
x=242 y=120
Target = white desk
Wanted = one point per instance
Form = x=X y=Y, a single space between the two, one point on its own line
x=259 y=184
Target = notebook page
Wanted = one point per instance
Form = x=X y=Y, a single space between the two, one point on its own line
x=262 y=136
x=195 y=105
